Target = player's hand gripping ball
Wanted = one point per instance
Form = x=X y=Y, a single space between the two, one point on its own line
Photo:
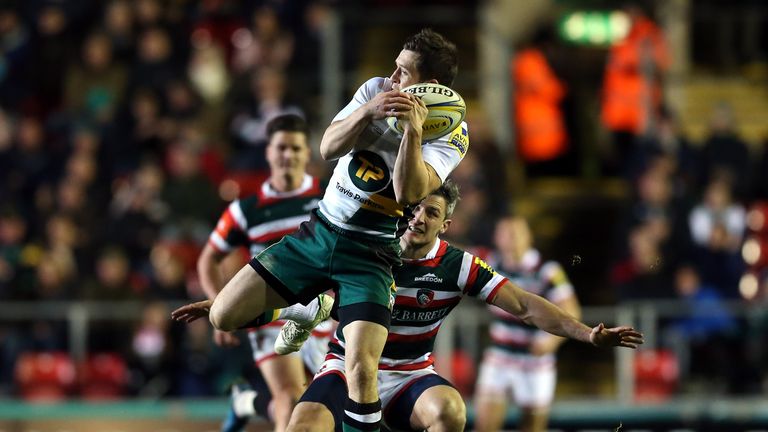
x=446 y=110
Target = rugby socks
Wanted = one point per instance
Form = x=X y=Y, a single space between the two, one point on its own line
x=361 y=417
x=300 y=313
x=244 y=404
x=265 y=318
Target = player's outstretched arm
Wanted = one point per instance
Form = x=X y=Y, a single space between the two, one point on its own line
x=413 y=178
x=539 y=312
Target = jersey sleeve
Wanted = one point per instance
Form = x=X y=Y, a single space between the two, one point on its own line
x=445 y=153
x=365 y=93
x=231 y=230
x=558 y=286
x=478 y=279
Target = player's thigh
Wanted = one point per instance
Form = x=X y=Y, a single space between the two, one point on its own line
x=324 y=399
x=297 y=267
x=363 y=272
x=242 y=299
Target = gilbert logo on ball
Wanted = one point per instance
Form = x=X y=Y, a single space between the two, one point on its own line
x=446 y=110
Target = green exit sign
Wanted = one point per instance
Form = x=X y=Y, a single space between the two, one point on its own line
x=594 y=27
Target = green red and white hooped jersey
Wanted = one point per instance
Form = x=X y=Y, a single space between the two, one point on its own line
x=546 y=279
x=427 y=290
x=360 y=196
x=259 y=220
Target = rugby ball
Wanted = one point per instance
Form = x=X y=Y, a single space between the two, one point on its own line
x=446 y=110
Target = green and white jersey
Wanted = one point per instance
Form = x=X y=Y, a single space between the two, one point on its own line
x=427 y=291
x=360 y=197
x=261 y=219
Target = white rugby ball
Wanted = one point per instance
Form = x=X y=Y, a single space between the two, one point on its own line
x=446 y=110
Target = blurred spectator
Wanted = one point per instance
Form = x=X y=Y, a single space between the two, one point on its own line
x=264 y=44
x=52 y=39
x=16 y=254
x=151 y=352
x=95 y=84
x=137 y=210
x=265 y=99
x=724 y=151
x=191 y=197
x=761 y=178
x=643 y=274
x=542 y=138
x=717 y=226
x=118 y=26
x=631 y=94
x=112 y=281
x=14 y=50
x=168 y=278
x=154 y=65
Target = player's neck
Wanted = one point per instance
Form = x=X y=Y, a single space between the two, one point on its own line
x=410 y=251
x=285 y=182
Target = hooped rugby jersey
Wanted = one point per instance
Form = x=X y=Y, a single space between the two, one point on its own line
x=261 y=219
x=546 y=279
x=360 y=196
x=427 y=290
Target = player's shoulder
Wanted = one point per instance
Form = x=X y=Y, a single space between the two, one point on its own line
x=375 y=85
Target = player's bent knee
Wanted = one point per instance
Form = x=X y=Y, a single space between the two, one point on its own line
x=452 y=414
x=220 y=319
x=311 y=417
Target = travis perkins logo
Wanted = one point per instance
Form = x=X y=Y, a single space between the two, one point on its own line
x=424 y=297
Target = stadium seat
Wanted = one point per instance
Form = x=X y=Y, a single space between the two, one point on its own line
x=657 y=375
x=45 y=376
x=103 y=376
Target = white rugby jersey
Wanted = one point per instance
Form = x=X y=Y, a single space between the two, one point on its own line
x=427 y=291
x=360 y=196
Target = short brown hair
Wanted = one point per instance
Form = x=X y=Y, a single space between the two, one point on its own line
x=287 y=123
x=438 y=57
x=450 y=191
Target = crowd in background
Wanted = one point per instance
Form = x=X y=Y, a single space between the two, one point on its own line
x=123 y=123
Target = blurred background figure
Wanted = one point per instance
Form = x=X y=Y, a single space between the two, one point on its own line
x=520 y=363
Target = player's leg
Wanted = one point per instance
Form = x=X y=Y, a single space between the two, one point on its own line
x=286 y=380
x=534 y=390
x=321 y=407
x=364 y=342
x=246 y=297
x=491 y=393
x=291 y=271
x=426 y=402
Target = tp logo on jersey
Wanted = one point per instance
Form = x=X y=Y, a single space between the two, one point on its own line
x=368 y=171
x=424 y=297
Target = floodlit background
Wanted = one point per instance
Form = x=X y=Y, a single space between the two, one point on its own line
x=630 y=134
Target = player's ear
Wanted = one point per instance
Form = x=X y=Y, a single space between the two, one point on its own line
x=446 y=224
x=432 y=81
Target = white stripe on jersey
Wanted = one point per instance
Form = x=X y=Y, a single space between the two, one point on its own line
x=439 y=295
x=466 y=265
x=237 y=215
x=392 y=363
x=219 y=242
x=414 y=329
x=490 y=286
x=277 y=225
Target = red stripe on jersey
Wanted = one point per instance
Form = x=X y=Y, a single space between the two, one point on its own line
x=412 y=301
x=394 y=337
x=226 y=224
x=495 y=291
x=432 y=262
x=409 y=366
x=474 y=269
x=275 y=235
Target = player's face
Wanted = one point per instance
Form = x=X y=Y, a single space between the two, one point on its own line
x=513 y=236
x=288 y=151
x=428 y=221
x=405 y=73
